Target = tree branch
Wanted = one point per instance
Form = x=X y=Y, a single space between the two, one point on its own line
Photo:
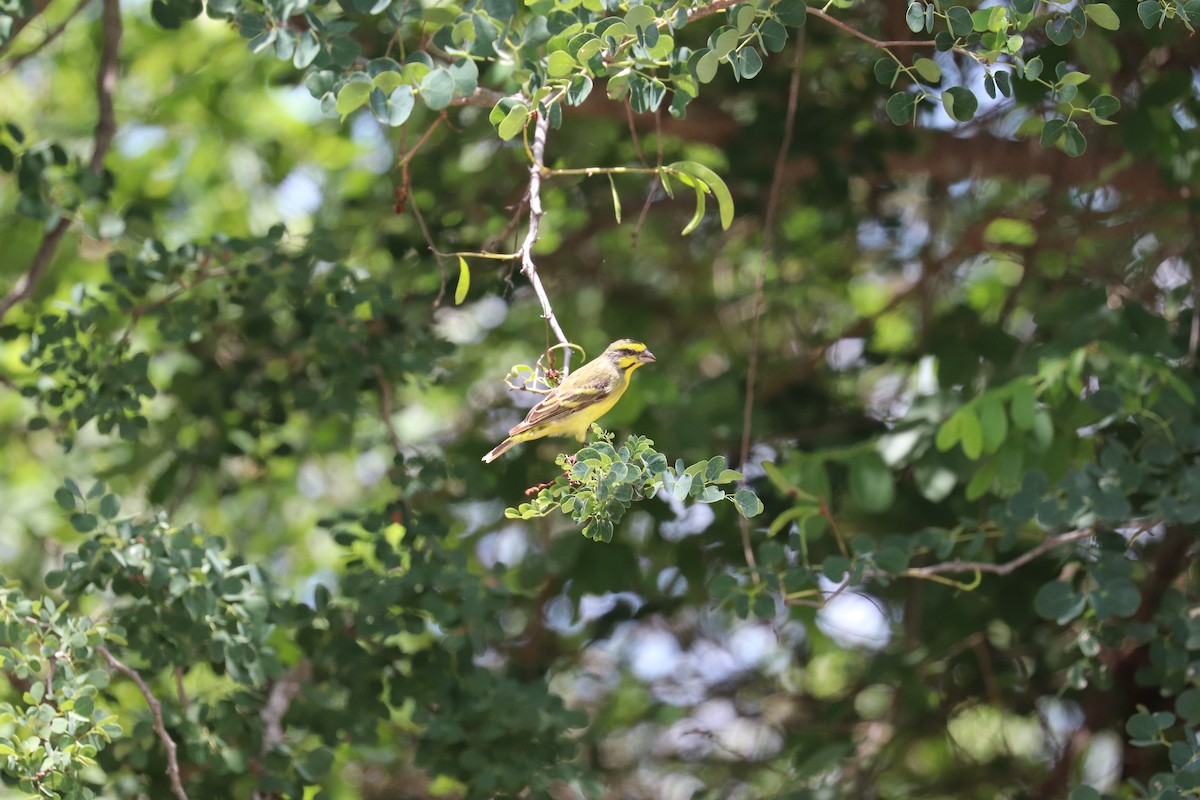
x=871 y=40
x=106 y=127
x=768 y=246
x=155 y=708
x=528 y=268
x=1004 y=568
x=19 y=24
x=53 y=34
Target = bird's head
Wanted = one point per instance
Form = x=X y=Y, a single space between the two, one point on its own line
x=628 y=354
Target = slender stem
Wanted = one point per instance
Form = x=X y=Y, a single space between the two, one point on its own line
x=416 y=147
x=871 y=40
x=528 y=268
x=106 y=82
x=53 y=34
x=1046 y=545
x=768 y=245
x=155 y=709
x=19 y=24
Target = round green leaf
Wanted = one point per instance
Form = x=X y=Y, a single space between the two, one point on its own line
x=1075 y=143
x=560 y=64
x=1058 y=601
x=437 y=88
x=928 y=69
x=1104 y=105
x=871 y=482
x=352 y=96
x=960 y=103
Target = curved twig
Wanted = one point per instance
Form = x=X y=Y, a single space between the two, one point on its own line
x=155 y=708
x=53 y=34
x=528 y=268
x=768 y=244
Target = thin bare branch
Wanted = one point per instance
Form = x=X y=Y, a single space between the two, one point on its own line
x=528 y=268
x=424 y=137
x=51 y=35
x=1003 y=568
x=24 y=286
x=106 y=82
x=106 y=127
x=871 y=40
x=155 y=708
x=283 y=691
x=386 y=407
x=768 y=246
x=20 y=22
x=184 y=702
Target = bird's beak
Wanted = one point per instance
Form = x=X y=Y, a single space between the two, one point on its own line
x=646 y=357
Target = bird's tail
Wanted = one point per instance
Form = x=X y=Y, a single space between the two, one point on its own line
x=498 y=450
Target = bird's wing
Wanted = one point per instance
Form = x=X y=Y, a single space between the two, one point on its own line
x=565 y=400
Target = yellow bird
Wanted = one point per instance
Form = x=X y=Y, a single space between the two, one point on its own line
x=582 y=398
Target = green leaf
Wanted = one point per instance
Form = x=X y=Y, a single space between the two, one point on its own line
x=110 y=506
x=1187 y=705
x=399 y=106
x=959 y=19
x=315 y=764
x=1074 y=78
x=1022 y=403
x=1060 y=30
x=307 y=49
x=1033 y=68
x=793 y=13
x=714 y=468
x=714 y=183
x=1052 y=131
x=1075 y=143
x=698 y=216
x=559 y=64
x=970 y=434
x=84 y=523
x=722 y=586
x=706 y=67
x=1142 y=726
x=774 y=35
x=749 y=63
x=960 y=103
x=1103 y=15
x=886 y=70
x=1104 y=105
x=1115 y=598
x=949 y=432
x=465 y=73
x=747 y=502
x=639 y=17
x=514 y=122
x=437 y=89
x=901 y=107
x=352 y=97
x=615 y=197
x=64 y=498
x=914 y=17
x=1058 y=601
x=928 y=69
x=1151 y=13
x=871 y=482
x=464 y=282
x=982 y=480
x=994 y=423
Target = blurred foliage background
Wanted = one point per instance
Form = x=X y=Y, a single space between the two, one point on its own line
x=249 y=546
